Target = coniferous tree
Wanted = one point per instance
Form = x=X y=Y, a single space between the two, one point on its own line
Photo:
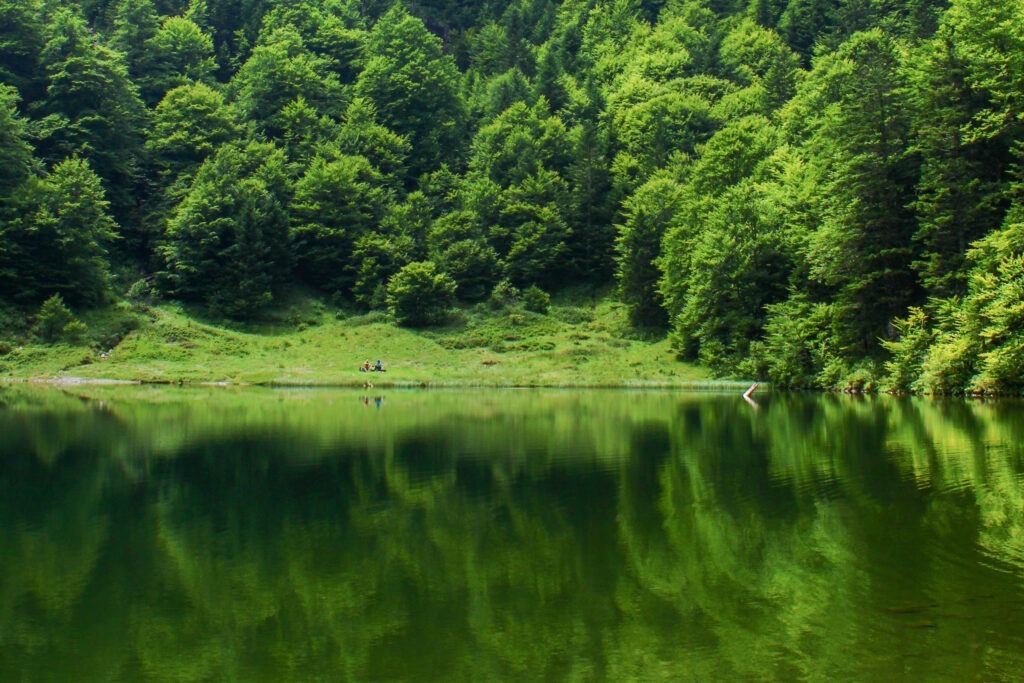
x=280 y=70
x=91 y=108
x=179 y=53
x=22 y=37
x=63 y=244
x=15 y=150
x=648 y=213
x=336 y=203
x=415 y=88
x=227 y=243
x=135 y=22
x=189 y=124
x=864 y=247
x=959 y=85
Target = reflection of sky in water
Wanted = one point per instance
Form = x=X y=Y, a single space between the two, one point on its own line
x=180 y=534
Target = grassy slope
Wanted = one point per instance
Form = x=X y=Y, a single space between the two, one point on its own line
x=575 y=345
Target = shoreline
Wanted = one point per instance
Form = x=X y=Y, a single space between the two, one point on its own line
x=76 y=381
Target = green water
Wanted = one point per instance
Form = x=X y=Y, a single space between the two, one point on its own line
x=229 y=535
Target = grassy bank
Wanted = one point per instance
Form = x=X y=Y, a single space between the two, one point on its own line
x=576 y=344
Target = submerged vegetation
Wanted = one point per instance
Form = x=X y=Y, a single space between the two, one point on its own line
x=820 y=193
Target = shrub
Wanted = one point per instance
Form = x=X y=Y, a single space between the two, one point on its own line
x=473 y=267
x=420 y=295
x=536 y=300
x=862 y=376
x=795 y=346
x=908 y=350
x=75 y=332
x=949 y=364
x=140 y=292
x=378 y=257
x=504 y=294
x=52 y=319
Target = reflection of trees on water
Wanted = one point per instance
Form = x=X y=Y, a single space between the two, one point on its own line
x=666 y=538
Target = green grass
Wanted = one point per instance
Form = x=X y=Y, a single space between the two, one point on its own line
x=579 y=343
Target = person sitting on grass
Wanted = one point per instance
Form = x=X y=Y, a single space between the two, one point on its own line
x=378 y=366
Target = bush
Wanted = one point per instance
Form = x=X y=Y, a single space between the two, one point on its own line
x=472 y=266
x=378 y=257
x=53 y=317
x=536 y=300
x=908 y=350
x=75 y=331
x=795 y=347
x=504 y=294
x=140 y=292
x=862 y=376
x=949 y=364
x=420 y=295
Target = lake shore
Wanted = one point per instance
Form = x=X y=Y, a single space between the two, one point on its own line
x=574 y=346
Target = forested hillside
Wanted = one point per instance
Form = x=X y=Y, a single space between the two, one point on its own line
x=814 y=192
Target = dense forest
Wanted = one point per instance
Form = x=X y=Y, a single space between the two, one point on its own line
x=816 y=192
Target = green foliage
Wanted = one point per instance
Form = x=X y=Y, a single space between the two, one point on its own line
x=15 y=150
x=863 y=248
x=473 y=265
x=178 y=54
x=91 y=107
x=378 y=257
x=536 y=300
x=189 y=124
x=591 y=242
x=717 y=159
x=419 y=295
x=966 y=124
x=361 y=134
x=984 y=334
x=415 y=88
x=335 y=203
x=75 y=331
x=908 y=349
x=227 y=244
x=950 y=361
x=520 y=142
x=504 y=295
x=739 y=266
x=753 y=55
x=22 y=36
x=333 y=31
x=648 y=213
x=55 y=322
x=503 y=91
x=796 y=343
x=531 y=233
x=280 y=70
x=58 y=240
x=134 y=23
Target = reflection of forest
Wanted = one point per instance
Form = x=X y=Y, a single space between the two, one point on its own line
x=531 y=535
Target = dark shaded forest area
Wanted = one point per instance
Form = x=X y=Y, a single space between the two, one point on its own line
x=817 y=192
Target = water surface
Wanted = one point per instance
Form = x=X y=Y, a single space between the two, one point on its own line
x=254 y=535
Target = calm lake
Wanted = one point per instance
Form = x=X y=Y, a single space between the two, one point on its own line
x=184 y=534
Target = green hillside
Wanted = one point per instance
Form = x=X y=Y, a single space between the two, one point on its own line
x=816 y=193
x=576 y=344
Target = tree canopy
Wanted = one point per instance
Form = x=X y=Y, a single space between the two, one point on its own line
x=821 y=193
